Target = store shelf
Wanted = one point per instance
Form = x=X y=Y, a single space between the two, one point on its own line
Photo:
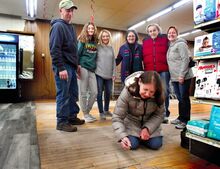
x=205 y=140
x=209 y=26
x=206 y=57
x=206 y=101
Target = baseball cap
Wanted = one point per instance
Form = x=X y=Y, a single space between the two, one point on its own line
x=67 y=4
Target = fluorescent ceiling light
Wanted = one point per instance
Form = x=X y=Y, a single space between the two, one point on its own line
x=137 y=25
x=184 y=34
x=178 y=4
x=188 y=33
x=163 y=12
x=31 y=8
x=195 y=31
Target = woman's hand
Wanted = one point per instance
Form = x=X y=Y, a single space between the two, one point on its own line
x=144 y=135
x=181 y=80
x=125 y=143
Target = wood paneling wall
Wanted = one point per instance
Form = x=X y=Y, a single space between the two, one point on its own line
x=43 y=86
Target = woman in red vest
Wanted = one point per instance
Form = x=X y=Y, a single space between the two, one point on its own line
x=155 y=47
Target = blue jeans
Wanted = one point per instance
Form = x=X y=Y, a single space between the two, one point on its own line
x=153 y=143
x=165 y=77
x=182 y=94
x=106 y=86
x=66 y=95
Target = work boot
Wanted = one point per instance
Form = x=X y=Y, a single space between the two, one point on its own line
x=76 y=121
x=66 y=127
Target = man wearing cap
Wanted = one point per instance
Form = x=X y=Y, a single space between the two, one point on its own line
x=63 y=50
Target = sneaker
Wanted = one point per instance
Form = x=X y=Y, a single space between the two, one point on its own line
x=89 y=118
x=76 y=121
x=181 y=125
x=108 y=113
x=66 y=127
x=165 y=120
x=92 y=117
x=102 y=116
x=176 y=121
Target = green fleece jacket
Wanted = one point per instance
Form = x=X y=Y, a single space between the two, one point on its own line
x=87 y=55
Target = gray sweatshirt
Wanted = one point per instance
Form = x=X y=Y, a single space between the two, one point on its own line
x=178 y=60
x=105 y=63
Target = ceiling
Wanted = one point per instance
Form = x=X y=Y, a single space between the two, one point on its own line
x=115 y=14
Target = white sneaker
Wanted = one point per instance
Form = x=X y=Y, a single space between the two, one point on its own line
x=166 y=120
x=92 y=117
x=108 y=113
x=89 y=118
x=102 y=116
x=176 y=121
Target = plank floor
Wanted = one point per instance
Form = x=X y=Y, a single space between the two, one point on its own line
x=18 y=136
x=94 y=146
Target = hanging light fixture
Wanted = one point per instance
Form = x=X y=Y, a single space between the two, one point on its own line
x=92 y=18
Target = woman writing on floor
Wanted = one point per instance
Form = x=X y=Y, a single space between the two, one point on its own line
x=139 y=111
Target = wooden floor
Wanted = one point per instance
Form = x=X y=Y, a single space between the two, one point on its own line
x=94 y=146
x=18 y=136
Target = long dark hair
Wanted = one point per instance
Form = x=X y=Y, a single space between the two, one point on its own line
x=149 y=77
x=84 y=37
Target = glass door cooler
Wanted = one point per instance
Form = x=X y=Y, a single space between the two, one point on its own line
x=9 y=66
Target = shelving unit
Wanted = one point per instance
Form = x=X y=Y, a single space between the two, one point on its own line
x=206 y=101
x=204 y=147
x=209 y=26
x=206 y=57
x=205 y=140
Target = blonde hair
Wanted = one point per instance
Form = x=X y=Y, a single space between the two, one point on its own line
x=84 y=37
x=100 y=37
x=156 y=25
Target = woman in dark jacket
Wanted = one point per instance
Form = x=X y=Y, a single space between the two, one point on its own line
x=130 y=54
x=139 y=111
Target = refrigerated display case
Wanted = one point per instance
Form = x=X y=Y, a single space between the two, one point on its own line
x=9 y=67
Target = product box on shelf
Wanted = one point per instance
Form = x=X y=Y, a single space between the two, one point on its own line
x=198 y=127
x=205 y=78
x=205 y=10
x=207 y=44
x=214 y=124
x=216 y=92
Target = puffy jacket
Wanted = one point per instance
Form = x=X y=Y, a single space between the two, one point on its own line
x=154 y=53
x=129 y=111
x=178 y=60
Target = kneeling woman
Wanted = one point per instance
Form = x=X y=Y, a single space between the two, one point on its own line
x=139 y=111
